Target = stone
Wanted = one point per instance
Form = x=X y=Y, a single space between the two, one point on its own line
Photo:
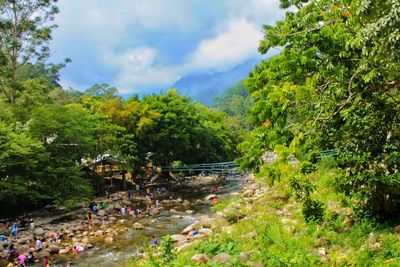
x=97 y=222
x=154 y=211
x=211 y=196
x=322 y=251
x=248 y=193
x=256 y=264
x=397 y=229
x=178 y=200
x=43 y=254
x=222 y=258
x=283 y=198
x=112 y=219
x=23 y=249
x=205 y=231
x=178 y=238
x=207 y=222
x=89 y=245
x=347 y=220
x=201 y=258
x=199 y=202
x=138 y=226
x=4 y=254
x=182 y=247
x=172 y=211
x=373 y=238
x=186 y=202
x=324 y=241
x=109 y=239
x=63 y=251
x=53 y=248
x=189 y=212
x=101 y=213
x=189 y=228
x=39 y=231
x=244 y=257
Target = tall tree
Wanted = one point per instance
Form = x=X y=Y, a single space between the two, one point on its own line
x=25 y=31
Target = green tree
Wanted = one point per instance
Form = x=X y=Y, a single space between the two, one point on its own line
x=334 y=85
x=25 y=32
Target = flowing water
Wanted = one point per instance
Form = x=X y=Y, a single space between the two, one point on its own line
x=128 y=243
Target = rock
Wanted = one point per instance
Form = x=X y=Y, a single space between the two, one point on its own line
x=199 y=202
x=101 y=213
x=117 y=206
x=189 y=212
x=256 y=264
x=112 y=219
x=244 y=257
x=97 y=222
x=201 y=258
x=53 y=248
x=222 y=258
x=4 y=254
x=322 y=251
x=189 y=228
x=205 y=231
x=154 y=212
x=89 y=245
x=109 y=239
x=178 y=238
x=347 y=220
x=283 y=198
x=207 y=222
x=324 y=241
x=138 y=226
x=373 y=238
x=23 y=249
x=375 y=246
x=182 y=247
x=63 y=251
x=173 y=211
x=178 y=200
x=22 y=241
x=248 y=193
x=43 y=254
x=39 y=231
x=211 y=196
x=186 y=202
x=397 y=229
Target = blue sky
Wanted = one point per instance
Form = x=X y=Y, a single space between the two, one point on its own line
x=140 y=46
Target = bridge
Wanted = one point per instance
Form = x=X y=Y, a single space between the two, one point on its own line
x=226 y=167
x=220 y=167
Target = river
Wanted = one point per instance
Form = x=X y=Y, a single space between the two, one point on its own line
x=126 y=244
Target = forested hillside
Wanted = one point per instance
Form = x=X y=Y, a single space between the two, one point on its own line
x=47 y=132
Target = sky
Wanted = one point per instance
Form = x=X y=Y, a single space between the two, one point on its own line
x=141 y=46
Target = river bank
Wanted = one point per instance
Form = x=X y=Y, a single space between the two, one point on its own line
x=123 y=235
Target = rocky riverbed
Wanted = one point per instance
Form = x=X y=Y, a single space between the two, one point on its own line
x=124 y=236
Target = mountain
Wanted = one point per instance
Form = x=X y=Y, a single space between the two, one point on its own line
x=205 y=86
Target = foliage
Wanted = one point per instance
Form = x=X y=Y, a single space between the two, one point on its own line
x=334 y=85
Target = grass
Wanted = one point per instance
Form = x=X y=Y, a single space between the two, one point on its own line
x=273 y=232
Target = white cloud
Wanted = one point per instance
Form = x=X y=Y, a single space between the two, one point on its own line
x=115 y=35
x=237 y=43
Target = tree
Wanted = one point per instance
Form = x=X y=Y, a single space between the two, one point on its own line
x=25 y=32
x=334 y=85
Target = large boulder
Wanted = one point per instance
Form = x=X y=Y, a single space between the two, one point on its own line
x=211 y=196
x=53 y=248
x=201 y=258
x=189 y=228
x=101 y=213
x=154 y=212
x=222 y=258
x=39 y=231
x=23 y=249
x=138 y=226
x=178 y=238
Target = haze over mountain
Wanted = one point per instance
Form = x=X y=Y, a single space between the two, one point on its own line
x=205 y=86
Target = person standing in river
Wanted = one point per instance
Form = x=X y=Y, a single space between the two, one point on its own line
x=14 y=230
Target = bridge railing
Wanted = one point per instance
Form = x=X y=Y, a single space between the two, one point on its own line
x=206 y=167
